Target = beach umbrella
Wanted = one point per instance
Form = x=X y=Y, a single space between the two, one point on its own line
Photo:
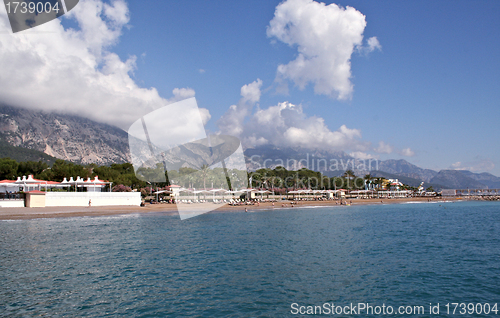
x=214 y=191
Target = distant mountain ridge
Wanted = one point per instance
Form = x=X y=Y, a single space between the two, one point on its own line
x=485 y=178
x=462 y=179
x=404 y=168
x=84 y=141
x=269 y=156
x=407 y=172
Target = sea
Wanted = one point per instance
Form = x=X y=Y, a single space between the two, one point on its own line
x=427 y=260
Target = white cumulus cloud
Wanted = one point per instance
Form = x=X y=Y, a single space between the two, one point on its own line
x=232 y=121
x=73 y=70
x=407 y=152
x=362 y=155
x=286 y=125
x=325 y=36
x=181 y=93
x=373 y=44
x=384 y=148
x=477 y=165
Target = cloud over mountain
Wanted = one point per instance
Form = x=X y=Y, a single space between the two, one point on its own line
x=73 y=71
x=479 y=164
x=284 y=124
x=232 y=121
x=383 y=148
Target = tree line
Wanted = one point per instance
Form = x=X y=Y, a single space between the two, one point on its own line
x=124 y=177
x=281 y=178
x=119 y=174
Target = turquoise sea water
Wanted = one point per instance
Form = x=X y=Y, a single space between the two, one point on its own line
x=251 y=264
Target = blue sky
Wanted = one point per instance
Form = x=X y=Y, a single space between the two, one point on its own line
x=428 y=94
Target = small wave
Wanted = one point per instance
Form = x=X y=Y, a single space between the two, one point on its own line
x=313 y=206
x=110 y=217
x=417 y=202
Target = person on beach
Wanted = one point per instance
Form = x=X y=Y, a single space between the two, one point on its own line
x=246 y=210
x=90 y=203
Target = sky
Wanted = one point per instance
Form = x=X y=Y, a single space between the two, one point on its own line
x=377 y=79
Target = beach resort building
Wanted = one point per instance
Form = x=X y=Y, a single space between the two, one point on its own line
x=27 y=192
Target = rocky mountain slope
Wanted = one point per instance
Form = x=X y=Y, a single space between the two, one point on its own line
x=491 y=181
x=65 y=137
x=20 y=154
x=404 y=168
x=460 y=179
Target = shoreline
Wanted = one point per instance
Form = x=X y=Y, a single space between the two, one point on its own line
x=171 y=209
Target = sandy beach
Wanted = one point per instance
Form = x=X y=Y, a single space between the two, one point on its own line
x=57 y=212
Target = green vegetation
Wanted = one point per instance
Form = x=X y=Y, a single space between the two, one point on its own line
x=8 y=168
x=117 y=173
x=281 y=178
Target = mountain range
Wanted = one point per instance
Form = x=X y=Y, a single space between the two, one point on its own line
x=48 y=135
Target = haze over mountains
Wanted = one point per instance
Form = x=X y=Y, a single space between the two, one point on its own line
x=84 y=141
